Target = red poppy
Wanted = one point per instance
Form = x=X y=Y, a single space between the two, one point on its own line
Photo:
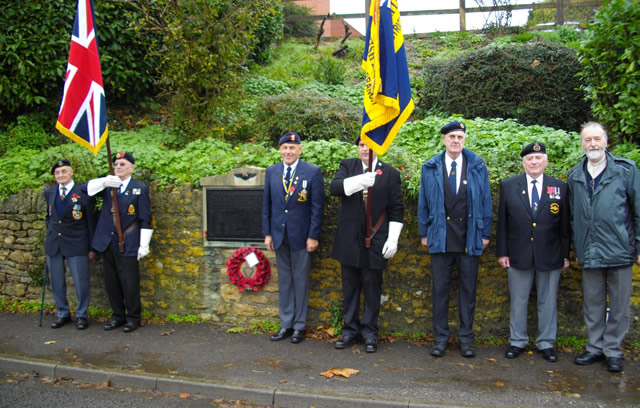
x=379 y=171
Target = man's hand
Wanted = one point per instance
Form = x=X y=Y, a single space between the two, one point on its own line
x=566 y=265
x=312 y=244
x=91 y=255
x=485 y=243
x=268 y=242
x=424 y=242
x=504 y=261
x=638 y=259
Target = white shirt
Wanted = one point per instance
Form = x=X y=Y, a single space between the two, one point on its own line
x=124 y=184
x=539 y=181
x=373 y=165
x=447 y=161
x=68 y=188
x=294 y=166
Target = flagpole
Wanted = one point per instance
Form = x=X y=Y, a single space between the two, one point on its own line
x=114 y=201
x=367 y=241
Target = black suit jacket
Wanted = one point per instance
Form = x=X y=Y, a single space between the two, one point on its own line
x=348 y=246
x=134 y=206
x=71 y=232
x=540 y=242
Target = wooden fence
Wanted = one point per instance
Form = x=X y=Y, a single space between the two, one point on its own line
x=561 y=6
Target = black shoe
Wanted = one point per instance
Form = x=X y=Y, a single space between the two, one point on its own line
x=587 y=358
x=370 y=345
x=129 y=327
x=60 y=321
x=466 y=350
x=347 y=341
x=297 y=336
x=614 y=364
x=549 y=354
x=513 y=352
x=114 y=324
x=281 y=335
x=438 y=349
x=82 y=323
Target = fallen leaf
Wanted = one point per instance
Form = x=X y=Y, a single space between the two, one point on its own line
x=50 y=342
x=331 y=331
x=66 y=349
x=284 y=381
x=491 y=360
x=167 y=333
x=499 y=384
x=574 y=395
x=343 y=372
x=184 y=395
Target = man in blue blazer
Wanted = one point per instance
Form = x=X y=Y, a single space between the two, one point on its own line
x=121 y=269
x=70 y=225
x=292 y=211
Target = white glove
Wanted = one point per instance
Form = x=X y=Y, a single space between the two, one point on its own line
x=357 y=183
x=391 y=246
x=145 y=239
x=97 y=185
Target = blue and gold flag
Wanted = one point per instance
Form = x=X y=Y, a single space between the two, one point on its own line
x=387 y=91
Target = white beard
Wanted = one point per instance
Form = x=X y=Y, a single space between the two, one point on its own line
x=594 y=155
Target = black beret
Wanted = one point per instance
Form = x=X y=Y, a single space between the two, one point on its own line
x=289 y=137
x=452 y=127
x=357 y=142
x=122 y=155
x=535 y=147
x=60 y=163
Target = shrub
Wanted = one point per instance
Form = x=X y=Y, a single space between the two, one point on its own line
x=26 y=133
x=609 y=57
x=329 y=70
x=313 y=115
x=298 y=29
x=35 y=46
x=535 y=84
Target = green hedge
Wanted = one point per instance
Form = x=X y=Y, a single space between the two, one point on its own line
x=312 y=114
x=534 y=83
x=498 y=141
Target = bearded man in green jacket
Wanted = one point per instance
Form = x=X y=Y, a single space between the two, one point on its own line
x=604 y=196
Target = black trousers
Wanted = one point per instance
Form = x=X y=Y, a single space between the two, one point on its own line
x=122 y=283
x=442 y=268
x=354 y=282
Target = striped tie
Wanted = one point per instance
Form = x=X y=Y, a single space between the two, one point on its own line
x=63 y=192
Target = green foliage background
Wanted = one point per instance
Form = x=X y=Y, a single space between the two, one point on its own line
x=610 y=56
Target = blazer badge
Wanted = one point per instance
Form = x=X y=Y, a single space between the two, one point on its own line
x=302 y=195
x=76 y=213
x=554 y=208
x=131 y=210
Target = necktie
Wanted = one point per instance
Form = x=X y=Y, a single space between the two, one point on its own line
x=452 y=178
x=63 y=192
x=287 y=176
x=535 y=198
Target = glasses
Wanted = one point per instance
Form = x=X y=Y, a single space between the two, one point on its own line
x=120 y=164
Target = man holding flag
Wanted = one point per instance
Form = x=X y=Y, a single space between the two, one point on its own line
x=362 y=248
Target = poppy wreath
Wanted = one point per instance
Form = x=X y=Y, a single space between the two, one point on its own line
x=260 y=276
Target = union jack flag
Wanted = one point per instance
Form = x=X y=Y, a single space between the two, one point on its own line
x=83 y=111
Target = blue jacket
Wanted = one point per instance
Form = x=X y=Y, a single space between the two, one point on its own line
x=431 y=211
x=134 y=207
x=300 y=215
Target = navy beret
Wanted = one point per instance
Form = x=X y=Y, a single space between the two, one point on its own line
x=122 y=155
x=60 y=163
x=289 y=137
x=452 y=127
x=357 y=142
x=535 y=147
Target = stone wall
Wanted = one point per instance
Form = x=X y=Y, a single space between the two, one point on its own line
x=183 y=276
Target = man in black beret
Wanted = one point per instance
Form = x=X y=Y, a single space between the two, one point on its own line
x=454 y=219
x=121 y=268
x=70 y=226
x=533 y=242
x=292 y=211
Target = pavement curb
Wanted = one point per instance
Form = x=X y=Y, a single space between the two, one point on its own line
x=255 y=395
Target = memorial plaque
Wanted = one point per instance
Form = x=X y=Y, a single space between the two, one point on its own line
x=234 y=214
